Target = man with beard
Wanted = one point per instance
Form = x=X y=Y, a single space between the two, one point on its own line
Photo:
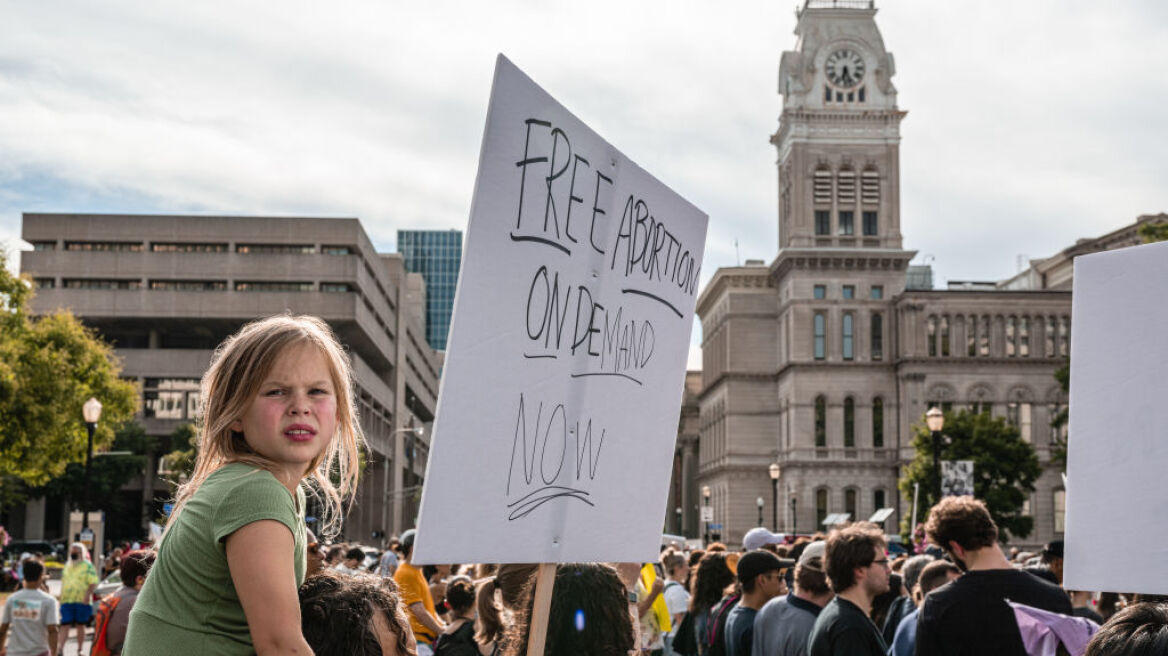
x=857 y=567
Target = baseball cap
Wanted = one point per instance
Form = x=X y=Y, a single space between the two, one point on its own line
x=812 y=551
x=407 y=538
x=759 y=537
x=754 y=563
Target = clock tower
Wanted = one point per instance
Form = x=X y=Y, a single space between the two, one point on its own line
x=839 y=132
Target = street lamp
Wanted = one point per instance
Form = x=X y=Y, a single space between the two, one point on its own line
x=794 y=520
x=760 y=503
x=91 y=412
x=774 y=471
x=705 y=503
x=936 y=421
x=677 y=512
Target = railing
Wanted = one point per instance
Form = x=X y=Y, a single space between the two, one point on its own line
x=887 y=455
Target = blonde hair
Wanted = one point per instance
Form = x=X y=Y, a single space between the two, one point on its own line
x=237 y=370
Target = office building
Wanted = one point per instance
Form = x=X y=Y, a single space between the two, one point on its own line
x=436 y=255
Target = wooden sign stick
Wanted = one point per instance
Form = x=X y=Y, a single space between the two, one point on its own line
x=541 y=609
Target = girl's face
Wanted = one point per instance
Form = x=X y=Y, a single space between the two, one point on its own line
x=293 y=416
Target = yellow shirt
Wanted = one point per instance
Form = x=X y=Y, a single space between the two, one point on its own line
x=75 y=582
x=414 y=590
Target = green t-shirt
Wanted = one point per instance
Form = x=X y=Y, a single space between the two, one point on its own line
x=188 y=604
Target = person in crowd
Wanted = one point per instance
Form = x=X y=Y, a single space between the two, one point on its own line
x=30 y=619
x=78 y=581
x=676 y=597
x=415 y=595
x=589 y=614
x=113 y=562
x=351 y=563
x=1139 y=630
x=1081 y=605
x=436 y=576
x=883 y=602
x=458 y=638
x=489 y=626
x=1052 y=558
x=387 y=564
x=710 y=581
x=760 y=574
x=314 y=554
x=971 y=616
x=134 y=567
x=510 y=580
x=934 y=575
x=335 y=555
x=857 y=567
x=783 y=625
x=345 y=615
x=760 y=538
x=910 y=572
x=278 y=414
x=652 y=638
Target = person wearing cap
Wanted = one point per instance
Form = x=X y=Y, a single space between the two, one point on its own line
x=760 y=573
x=857 y=567
x=784 y=623
x=760 y=538
x=415 y=595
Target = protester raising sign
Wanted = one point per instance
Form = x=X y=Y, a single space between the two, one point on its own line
x=1116 y=451
x=566 y=358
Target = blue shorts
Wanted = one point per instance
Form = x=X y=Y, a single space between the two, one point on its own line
x=76 y=614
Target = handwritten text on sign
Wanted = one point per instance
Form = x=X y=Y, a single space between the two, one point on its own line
x=563 y=378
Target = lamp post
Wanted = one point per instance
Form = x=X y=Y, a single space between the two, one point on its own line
x=91 y=412
x=760 y=503
x=706 y=502
x=774 y=472
x=794 y=520
x=677 y=513
x=936 y=421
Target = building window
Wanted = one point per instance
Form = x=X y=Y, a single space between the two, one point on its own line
x=860 y=92
x=848 y=334
x=336 y=250
x=189 y=285
x=273 y=286
x=335 y=287
x=877 y=423
x=820 y=336
x=1049 y=350
x=850 y=504
x=981 y=407
x=931 y=332
x=1064 y=337
x=1011 y=337
x=275 y=249
x=849 y=292
x=1024 y=337
x=170 y=398
x=847 y=222
x=984 y=337
x=822 y=222
x=124 y=246
x=846 y=188
x=877 y=330
x=44 y=245
x=43 y=283
x=820 y=421
x=179 y=247
x=870 y=185
x=1058 y=434
x=826 y=93
x=878 y=502
x=819 y=292
x=869 y=223
x=100 y=283
x=822 y=189
x=971 y=337
x=820 y=507
x=1060 y=511
x=876 y=293
x=849 y=422
x=945 y=336
x=1019 y=414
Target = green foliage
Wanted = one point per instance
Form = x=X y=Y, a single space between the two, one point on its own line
x=107 y=473
x=1154 y=232
x=1058 y=447
x=180 y=463
x=1004 y=468
x=49 y=366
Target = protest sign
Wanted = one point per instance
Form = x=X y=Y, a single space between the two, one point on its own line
x=957 y=478
x=562 y=386
x=1117 y=451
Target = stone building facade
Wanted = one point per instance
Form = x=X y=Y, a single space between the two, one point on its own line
x=823 y=360
x=166 y=290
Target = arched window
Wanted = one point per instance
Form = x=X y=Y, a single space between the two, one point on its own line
x=820 y=421
x=849 y=422
x=820 y=508
x=931 y=328
x=850 y=503
x=820 y=332
x=848 y=325
x=877 y=422
x=876 y=327
x=945 y=336
x=846 y=190
x=870 y=189
x=822 y=185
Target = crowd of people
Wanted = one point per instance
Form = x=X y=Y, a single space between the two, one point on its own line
x=237 y=570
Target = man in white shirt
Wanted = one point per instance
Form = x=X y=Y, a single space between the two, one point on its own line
x=31 y=616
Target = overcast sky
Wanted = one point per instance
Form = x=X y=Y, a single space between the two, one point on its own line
x=1030 y=124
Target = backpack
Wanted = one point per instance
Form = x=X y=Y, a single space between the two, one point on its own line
x=716 y=626
x=105 y=611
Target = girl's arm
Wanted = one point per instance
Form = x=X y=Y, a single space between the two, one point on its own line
x=260 y=556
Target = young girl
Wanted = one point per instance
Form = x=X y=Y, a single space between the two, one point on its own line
x=278 y=410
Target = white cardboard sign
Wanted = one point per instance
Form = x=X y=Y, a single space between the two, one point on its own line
x=957 y=478
x=1116 y=532
x=560 y=396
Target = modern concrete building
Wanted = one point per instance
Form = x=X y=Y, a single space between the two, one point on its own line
x=437 y=256
x=824 y=360
x=166 y=290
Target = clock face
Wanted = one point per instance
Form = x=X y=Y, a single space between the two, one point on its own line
x=845 y=68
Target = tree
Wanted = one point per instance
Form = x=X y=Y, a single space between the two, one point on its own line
x=1058 y=447
x=179 y=464
x=107 y=474
x=1004 y=468
x=1154 y=232
x=49 y=366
